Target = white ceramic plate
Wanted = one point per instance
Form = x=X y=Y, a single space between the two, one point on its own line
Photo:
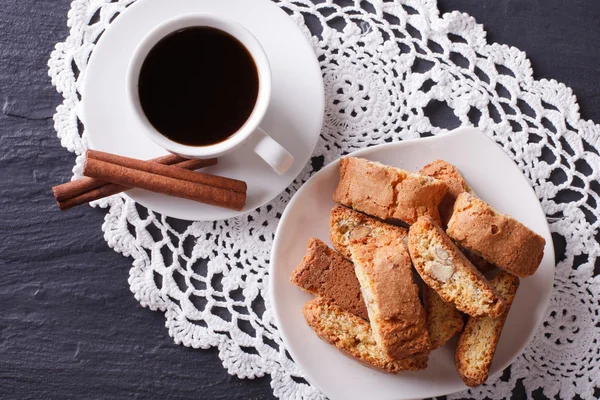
x=496 y=179
x=294 y=117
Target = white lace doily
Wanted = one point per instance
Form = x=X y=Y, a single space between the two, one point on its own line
x=390 y=69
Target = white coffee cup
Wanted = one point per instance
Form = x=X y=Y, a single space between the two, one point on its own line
x=267 y=148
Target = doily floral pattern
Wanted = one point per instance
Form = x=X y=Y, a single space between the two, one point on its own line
x=390 y=69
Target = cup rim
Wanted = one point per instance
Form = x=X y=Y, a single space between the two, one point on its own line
x=229 y=26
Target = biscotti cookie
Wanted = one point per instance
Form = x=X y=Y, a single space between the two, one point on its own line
x=449 y=174
x=353 y=336
x=346 y=224
x=443 y=319
x=477 y=343
x=445 y=269
x=496 y=237
x=384 y=271
x=326 y=273
x=387 y=192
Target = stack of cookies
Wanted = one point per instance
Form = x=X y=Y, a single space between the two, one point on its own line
x=390 y=222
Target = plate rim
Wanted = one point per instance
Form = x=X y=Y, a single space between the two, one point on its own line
x=365 y=152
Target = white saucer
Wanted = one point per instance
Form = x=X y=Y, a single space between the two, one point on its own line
x=294 y=118
x=496 y=179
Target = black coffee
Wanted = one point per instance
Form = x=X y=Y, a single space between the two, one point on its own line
x=198 y=86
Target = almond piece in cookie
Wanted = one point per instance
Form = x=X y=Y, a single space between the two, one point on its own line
x=477 y=343
x=445 y=269
x=325 y=273
x=498 y=238
x=386 y=192
x=353 y=336
x=346 y=224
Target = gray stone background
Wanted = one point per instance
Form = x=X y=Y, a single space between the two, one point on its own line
x=69 y=326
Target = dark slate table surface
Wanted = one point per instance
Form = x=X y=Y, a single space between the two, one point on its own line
x=69 y=326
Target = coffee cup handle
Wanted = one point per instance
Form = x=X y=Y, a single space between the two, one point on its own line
x=272 y=152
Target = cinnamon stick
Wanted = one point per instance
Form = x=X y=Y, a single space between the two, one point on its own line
x=91 y=195
x=163 y=170
x=171 y=186
x=85 y=190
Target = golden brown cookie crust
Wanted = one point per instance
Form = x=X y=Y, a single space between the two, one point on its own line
x=496 y=237
x=383 y=268
x=477 y=343
x=387 y=192
x=384 y=271
x=353 y=337
x=451 y=176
